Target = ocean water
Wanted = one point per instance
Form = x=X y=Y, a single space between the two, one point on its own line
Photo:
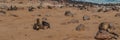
x=100 y=1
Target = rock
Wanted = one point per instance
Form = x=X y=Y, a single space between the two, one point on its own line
x=104 y=35
x=11 y=8
x=82 y=7
x=103 y=9
x=50 y=7
x=99 y=10
x=30 y=9
x=86 y=17
x=114 y=8
x=106 y=31
x=104 y=26
x=40 y=6
x=2 y=6
x=80 y=27
x=2 y=12
x=68 y=13
x=117 y=15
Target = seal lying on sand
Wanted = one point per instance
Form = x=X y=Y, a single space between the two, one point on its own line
x=37 y=25
x=41 y=25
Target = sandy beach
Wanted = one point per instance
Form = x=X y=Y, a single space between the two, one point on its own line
x=18 y=24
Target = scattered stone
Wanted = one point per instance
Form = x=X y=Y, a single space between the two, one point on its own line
x=117 y=15
x=82 y=7
x=50 y=7
x=106 y=32
x=2 y=12
x=104 y=35
x=99 y=10
x=2 y=6
x=86 y=17
x=68 y=13
x=30 y=9
x=114 y=8
x=11 y=8
x=61 y=7
x=103 y=9
x=105 y=26
x=106 y=10
x=80 y=27
x=40 y=6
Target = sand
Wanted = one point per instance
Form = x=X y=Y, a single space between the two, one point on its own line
x=21 y=27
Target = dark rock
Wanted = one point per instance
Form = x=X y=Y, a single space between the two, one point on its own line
x=68 y=13
x=50 y=7
x=106 y=32
x=103 y=35
x=30 y=9
x=11 y=8
x=2 y=12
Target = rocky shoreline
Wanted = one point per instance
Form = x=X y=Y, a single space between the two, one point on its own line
x=90 y=3
x=56 y=4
